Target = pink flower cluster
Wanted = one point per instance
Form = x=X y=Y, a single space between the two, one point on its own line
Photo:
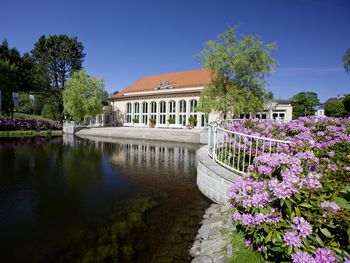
x=275 y=178
x=322 y=255
x=332 y=205
x=300 y=228
x=249 y=193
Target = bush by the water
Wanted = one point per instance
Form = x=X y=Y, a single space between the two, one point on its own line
x=294 y=203
x=13 y=125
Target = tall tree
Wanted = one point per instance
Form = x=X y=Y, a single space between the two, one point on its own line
x=240 y=67
x=60 y=56
x=304 y=104
x=346 y=61
x=83 y=96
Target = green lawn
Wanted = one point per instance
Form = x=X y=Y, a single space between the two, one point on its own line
x=241 y=253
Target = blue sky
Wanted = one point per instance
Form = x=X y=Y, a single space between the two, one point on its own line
x=125 y=40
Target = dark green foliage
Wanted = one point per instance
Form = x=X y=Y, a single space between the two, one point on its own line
x=346 y=102
x=8 y=84
x=304 y=104
x=24 y=103
x=171 y=121
x=335 y=109
x=18 y=73
x=346 y=61
x=60 y=55
x=51 y=111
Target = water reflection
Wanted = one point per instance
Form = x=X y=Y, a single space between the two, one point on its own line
x=60 y=196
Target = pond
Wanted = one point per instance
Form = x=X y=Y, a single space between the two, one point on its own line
x=87 y=200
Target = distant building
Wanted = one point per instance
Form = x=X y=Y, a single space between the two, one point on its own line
x=320 y=110
x=175 y=96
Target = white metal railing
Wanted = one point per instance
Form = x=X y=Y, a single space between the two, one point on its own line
x=236 y=151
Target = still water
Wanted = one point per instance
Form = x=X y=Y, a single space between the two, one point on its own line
x=87 y=200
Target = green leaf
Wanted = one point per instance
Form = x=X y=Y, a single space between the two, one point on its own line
x=319 y=240
x=305 y=205
x=326 y=232
x=268 y=237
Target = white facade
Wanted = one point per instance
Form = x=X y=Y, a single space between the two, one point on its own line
x=160 y=107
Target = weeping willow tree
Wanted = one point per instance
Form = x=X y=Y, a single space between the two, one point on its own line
x=239 y=69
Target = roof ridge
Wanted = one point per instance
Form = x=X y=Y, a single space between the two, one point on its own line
x=176 y=72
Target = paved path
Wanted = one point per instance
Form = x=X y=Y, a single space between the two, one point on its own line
x=159 y=134
x=212 y=244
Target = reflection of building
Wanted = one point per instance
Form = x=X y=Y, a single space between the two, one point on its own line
x=174 y=96
x=165 y=159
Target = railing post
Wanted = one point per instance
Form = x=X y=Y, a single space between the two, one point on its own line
x=215 y=139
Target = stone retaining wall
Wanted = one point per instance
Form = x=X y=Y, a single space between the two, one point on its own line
x=158 y=134
x=213 y=180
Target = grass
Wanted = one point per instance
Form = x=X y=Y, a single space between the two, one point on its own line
x=30 y=133
x=241 y=253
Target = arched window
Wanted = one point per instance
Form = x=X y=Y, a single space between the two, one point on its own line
x=128 y=112
x=162 y=112
x=153 y=110
x=193 y=110
x=137 y=111
x=144 y=112
x=172 y=109
x=182 y=112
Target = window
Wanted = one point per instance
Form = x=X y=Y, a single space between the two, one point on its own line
x=154 y=110
x=193 y=110
x=279 y=115
x=144 y=112
x=172 y=109
x=162 y=112
x=137 y=110
x=193 y=106
x=128 y=112
x=182 y=112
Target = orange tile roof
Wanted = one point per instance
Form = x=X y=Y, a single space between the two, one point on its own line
x=178 y=80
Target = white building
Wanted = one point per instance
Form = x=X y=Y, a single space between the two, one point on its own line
x=320 y=111
x=172 y=98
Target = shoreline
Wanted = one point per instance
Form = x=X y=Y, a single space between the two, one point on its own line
x=30 y=133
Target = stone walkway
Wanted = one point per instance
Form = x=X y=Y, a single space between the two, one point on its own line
x=212 y=244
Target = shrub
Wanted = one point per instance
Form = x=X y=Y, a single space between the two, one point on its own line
x=294 y=203
x=335 y=109
x=152 y=121
x=171 y=120
x=135 y=120
x=13 y=125
x=51 y=111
